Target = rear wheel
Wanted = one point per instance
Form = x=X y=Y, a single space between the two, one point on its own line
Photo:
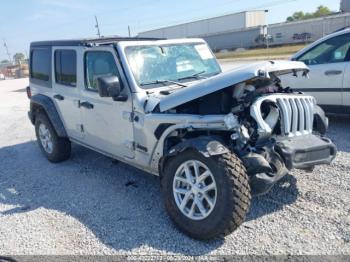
x=206 y=197
x=55 y=148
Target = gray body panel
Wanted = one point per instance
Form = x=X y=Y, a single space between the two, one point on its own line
x=223 y=80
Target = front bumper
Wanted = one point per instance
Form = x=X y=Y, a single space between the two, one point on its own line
x=302 y=152
x=305 y=152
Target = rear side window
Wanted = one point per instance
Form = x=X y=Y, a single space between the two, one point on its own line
x=41 y=64
x=66 y=67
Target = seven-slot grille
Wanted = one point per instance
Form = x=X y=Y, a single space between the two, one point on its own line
x=297 y=114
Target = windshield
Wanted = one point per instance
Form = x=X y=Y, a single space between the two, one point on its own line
x=155 y=65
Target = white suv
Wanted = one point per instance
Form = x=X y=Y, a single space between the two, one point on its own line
x=164 y=106
x=329 y=77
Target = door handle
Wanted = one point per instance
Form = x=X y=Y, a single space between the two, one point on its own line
x=86 y=105
x=333 y=72
x=58 y=97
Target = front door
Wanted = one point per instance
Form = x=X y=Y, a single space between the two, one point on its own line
x=106 y=123
x=327 y=62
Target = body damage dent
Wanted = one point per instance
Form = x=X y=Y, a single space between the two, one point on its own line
x=224 y=80
x=158 y=152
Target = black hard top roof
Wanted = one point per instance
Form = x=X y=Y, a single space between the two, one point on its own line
x=91 y=41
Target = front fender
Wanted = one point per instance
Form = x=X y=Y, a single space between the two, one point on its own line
x=207 y=146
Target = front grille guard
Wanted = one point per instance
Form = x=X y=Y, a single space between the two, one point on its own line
x=296 y=112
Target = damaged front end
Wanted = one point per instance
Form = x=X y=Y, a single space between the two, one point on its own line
x=270 y=127
x=287 y=137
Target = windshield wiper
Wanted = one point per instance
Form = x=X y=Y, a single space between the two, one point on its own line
x=196 y=75
x=163 y=82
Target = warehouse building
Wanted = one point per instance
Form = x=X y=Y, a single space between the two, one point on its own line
x=345 y=6
x=280 y=34
x=249 y=29
x=205 y=27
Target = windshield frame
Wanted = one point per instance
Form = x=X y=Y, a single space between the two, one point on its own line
x=123 y=45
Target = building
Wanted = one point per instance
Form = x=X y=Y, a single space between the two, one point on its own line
x=345 y=6
x=250 y=35
x=14 y=71
x=210 y=26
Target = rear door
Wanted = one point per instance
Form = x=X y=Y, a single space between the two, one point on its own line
x=65 y=92
x=107 y=123
x=327 y=62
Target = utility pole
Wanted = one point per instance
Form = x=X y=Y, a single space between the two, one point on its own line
x=7 y=51
x=267 y=36
x=129 y=30
x=98 y=28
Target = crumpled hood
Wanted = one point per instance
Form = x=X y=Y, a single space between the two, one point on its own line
x=223 y=80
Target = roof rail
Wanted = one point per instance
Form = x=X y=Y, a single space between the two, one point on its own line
x=91 y=41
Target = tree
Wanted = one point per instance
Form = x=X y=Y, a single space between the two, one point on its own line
x=5 y=61
x=321 y=11
x=296 y=16
x=19 y=57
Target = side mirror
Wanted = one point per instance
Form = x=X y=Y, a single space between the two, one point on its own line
x=108 y=86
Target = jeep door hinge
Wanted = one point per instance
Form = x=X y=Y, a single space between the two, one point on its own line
x=132 y=115
x=130 y=145
x=129 y=116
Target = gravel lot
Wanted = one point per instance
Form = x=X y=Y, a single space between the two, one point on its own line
x=93 y=205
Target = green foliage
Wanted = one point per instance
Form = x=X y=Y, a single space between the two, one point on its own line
x=5 y=61
x=321 y=11
x=19 y=57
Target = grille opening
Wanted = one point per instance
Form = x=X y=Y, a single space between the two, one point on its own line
x=296 y=114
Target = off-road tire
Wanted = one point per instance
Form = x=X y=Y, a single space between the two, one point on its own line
x=233 y=197
x=61 y=145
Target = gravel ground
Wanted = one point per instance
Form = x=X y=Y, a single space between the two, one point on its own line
x=93 y=205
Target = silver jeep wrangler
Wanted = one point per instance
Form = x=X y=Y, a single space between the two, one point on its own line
x=164 y=106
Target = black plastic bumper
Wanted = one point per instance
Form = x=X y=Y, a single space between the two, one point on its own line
x=306 y=151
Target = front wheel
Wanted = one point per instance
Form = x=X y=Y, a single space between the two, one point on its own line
x=206 y=197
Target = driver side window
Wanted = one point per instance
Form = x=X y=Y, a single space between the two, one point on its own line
x=334 y=50
x=98 y=64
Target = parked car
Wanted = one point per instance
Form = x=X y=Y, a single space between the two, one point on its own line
x=165 y=106
x=329 y=77
x=2 y=76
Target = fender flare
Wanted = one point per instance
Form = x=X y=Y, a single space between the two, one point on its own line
x=207 y=146
x=320 y=120
x=49 y=108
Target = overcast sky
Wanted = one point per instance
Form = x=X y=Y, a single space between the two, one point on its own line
x=23 y=21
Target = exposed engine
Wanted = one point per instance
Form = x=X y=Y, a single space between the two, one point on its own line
x=259 y=113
